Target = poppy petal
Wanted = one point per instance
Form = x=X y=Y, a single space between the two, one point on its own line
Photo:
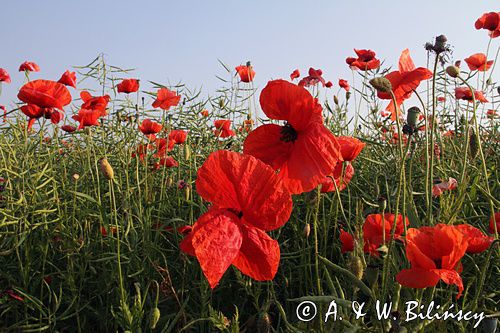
x=315 y=154
x=451 y=277
x=216 y=244
x=282 y=100
x=243 y=183
x=265 y=143
x=417 y=278
x=259 y=255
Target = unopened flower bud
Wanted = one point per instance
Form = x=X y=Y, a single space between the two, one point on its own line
x=155 y=317
x=355 y=265
x=412 y=116
x=106 y=168
x=307 y=230
x=335 y=99
x=453 y=71
x=381 y=84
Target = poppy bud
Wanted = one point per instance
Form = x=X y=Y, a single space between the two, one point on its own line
x=187 y=152
x=347 y=95
x=453 y=71
x=106 y=168
x=263 y=323
x=473 y=144
x=411 y=118
x=356 y=266
x=170 y=181
x=458 y=63
x=187 y=193
x=335 y=99
x=381 y=84
x=76 y=177
x=155 y=316
x=307 y=230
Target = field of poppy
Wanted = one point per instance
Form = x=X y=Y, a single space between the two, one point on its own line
x=128 y=205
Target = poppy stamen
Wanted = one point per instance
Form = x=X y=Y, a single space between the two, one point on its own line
x=288 y=133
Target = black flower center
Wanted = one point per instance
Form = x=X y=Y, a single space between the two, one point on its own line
x=288 y=133
x=236 y=212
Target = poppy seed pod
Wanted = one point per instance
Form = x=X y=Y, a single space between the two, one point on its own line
x=106 y=168
x=453 y=71
x=381 y=84
x=412 y=117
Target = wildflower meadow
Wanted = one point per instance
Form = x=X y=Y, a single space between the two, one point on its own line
x=311 y=204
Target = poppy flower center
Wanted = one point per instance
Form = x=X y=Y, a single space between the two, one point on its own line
x=438 y=263
x=288 y=133
x=236 y=212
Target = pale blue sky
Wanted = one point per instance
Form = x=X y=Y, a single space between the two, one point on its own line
x=182 y=40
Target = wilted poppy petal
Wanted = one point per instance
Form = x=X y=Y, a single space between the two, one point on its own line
x=259 y=255
x=216 y=244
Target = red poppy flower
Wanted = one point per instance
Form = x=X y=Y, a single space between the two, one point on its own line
x=68 y=79
x=177 y=137
x=478 y=62
x=466 y=94
x=128 y=86
x=87 y=117
x=97 y=103
x=165 y=99
x=447 y=185
x=223 y=128
x=303 y=150
x=45 y=94
x=441 y=99
x=2 y=107
x=476 y=239
x=29 y=66
x=350 y=147
x=491 y=113
x=489 y=21
x=344 y=84
x=377 y=228
x=168 y=162
x=4 y=76
x=32 y=111
x=104 y=231
x=246 y=73
x=314 y=77
x=204 y=113
x=13 y=295
x=404 y=81
x=329 y=84
x=328 y=184
x=54 y=115
x=434 y=254
x=347 y=241
x=248 y=199
x=68 y=128
x=295 y=74
x=494 y=218
x=150 y=127
x=366 y=60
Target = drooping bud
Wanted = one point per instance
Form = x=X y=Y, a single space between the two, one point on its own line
x=412 y=117
x=307 y=230
x=155 y=317
x=335 y=99
x=453 y=71
x=106 y=168
x=381 y=84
